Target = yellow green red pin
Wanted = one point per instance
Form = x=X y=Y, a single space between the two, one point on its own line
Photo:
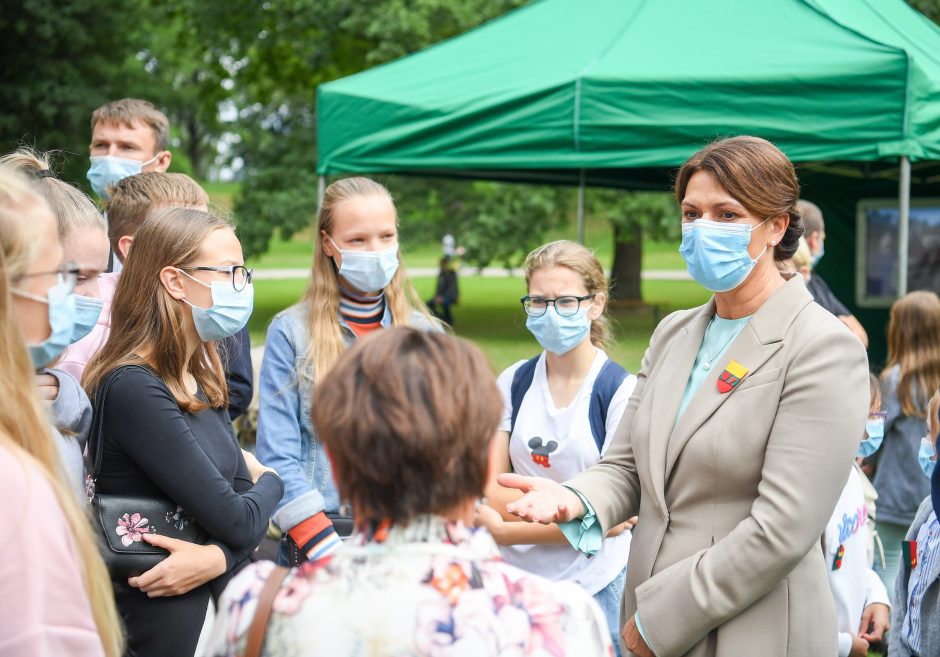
x=733 y=374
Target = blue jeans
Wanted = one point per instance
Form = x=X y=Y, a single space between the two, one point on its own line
x=609 y=599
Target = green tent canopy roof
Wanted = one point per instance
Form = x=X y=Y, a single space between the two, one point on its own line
x=564 y=85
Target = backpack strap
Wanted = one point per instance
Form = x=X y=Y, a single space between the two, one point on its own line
x=605 y=387
x=521 y=382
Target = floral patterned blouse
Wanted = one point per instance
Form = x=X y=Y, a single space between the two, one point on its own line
x=426 y=589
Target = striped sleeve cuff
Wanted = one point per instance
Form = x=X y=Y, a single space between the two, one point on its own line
x=316 y=537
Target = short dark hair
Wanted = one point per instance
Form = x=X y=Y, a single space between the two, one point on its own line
x=812 y=217
x=758 y=175
x=407 y=417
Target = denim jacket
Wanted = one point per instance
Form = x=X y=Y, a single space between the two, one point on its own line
x=900 y=484
x=286 y=441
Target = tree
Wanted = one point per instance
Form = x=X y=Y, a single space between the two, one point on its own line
x=58 y=62
x=632 y=216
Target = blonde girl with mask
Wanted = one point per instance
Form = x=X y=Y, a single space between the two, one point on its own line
x=560 y=411
x=55 y=598
x=160 y=400
x=84 y=242
x=358 y=285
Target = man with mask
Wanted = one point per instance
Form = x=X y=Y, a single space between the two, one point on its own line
x=128 y=136
x=815 y=235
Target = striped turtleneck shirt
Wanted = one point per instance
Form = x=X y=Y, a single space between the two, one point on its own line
x=363 y=314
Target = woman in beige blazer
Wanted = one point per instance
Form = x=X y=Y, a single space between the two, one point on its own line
x=737 y=440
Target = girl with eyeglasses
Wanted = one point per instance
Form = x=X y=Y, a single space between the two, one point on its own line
x=358 y=286
x=81 y=231
x=160 y=398
x=54 y=593
x=560 y=411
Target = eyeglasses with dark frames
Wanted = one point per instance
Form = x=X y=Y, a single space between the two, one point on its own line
x=67 y=273
x=241 y=275
x=566 y=306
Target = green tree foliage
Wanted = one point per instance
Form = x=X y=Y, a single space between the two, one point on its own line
x=58 y=62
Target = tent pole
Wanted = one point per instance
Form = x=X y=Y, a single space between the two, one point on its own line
x=904 y=205
x=321 y=189
x=581 y=208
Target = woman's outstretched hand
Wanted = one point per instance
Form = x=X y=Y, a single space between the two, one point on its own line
x=545 y=501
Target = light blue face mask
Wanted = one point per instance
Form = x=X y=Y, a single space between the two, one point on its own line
x=368 y=271
x=228 y=313
x=875 y=428
x=107 y=170
x=822 y=252
x=87 y=312
x=557 y=333
x=716 y=254
x=927 y=456
x=61 y=304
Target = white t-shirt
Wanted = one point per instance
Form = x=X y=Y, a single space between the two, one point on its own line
x=557 y=443
x=854 y=584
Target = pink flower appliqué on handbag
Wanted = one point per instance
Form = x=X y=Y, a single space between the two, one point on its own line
x=132 y=528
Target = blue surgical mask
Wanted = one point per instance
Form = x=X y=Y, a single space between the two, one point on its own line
x=716 y=253
x=818 y=256
x=875 y=428
x=61 y=303
x=228 y=313
x=927 y=456
x=107 y=170
x=87 y=312
x=368 y=271
x=557 y=333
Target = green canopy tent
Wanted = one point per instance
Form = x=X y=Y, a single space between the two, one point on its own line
x=618 y=93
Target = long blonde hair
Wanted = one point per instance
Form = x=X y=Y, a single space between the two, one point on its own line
x=147 y=323
x=24 y=425
x=324 y=335
x=72 y=209
x=914 y=346
x=582 y=261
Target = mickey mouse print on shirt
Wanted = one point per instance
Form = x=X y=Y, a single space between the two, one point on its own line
x=540 y=452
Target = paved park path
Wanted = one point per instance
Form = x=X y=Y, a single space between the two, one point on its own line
x=486 y=272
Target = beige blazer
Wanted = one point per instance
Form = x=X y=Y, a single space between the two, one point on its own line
x=732 y=500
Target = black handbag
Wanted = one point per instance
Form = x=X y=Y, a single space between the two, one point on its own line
x=122 y=520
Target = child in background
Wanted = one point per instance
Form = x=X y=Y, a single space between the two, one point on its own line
x=910 y=377
x=916 y=616
x=862 y=604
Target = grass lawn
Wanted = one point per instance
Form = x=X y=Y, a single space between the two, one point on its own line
x=490 y=315
x=295 y=252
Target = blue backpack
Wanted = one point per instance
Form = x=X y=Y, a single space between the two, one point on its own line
x=605 y=387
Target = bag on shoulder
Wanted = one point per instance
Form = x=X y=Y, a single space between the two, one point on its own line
x=122 y=520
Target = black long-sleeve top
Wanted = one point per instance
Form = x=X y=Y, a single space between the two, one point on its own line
x=239 y=374
x=152 y=447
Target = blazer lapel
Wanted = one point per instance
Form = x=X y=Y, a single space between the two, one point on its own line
x=758 y=341
x=671 y=379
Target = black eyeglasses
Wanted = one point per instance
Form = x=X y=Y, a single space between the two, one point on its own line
x=241 y=275
x=67 y=273
x=565 y=306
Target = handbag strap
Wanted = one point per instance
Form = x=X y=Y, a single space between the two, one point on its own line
x=95 y=439
x=259 y=624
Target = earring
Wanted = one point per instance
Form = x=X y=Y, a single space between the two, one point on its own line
x=772 y=243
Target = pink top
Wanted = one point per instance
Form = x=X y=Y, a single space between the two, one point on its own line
x=76 y=356
x=44 y=609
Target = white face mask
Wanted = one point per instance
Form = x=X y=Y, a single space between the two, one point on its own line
x=368 y=271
